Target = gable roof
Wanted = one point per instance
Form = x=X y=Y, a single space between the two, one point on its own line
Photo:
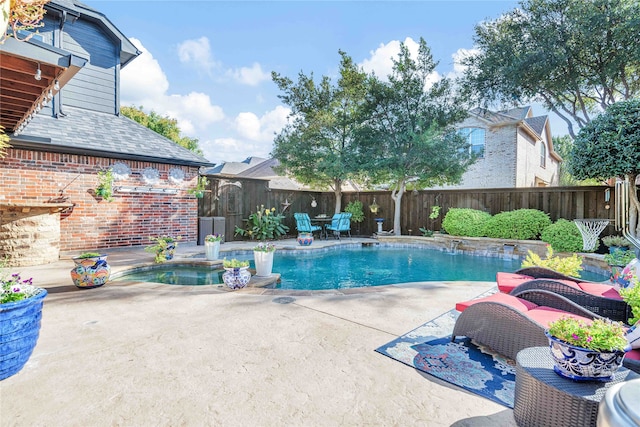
x=93 y=133
x=537 y=123
x=77 y=9
x=235 y=168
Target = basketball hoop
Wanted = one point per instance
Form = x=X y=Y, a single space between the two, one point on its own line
x=590 y=230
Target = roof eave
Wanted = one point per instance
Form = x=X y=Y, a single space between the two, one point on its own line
x=44 y=144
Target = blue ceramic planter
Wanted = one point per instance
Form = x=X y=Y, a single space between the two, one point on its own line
x=581 y=364
x=19 y=331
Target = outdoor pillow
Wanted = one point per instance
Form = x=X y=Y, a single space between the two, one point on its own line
x=633 y=336
x=600 y=289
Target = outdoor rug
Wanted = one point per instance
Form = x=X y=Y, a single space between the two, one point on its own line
x=464 y=363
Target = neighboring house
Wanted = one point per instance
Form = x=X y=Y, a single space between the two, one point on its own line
x=57 y=149
x=259 y=168
x=515 y=149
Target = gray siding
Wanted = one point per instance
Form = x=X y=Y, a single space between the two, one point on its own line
x=94 y=87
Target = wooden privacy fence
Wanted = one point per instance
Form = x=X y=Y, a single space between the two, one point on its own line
x=235 y=200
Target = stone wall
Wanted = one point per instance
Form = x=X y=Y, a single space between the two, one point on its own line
x=29 y=235
x=32 y=177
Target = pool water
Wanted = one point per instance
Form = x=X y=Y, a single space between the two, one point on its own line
x=352 y=267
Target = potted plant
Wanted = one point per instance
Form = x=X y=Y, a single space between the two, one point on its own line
x=237 y=273
x=164 y=247
x=201 y=185
x=20 y=315
x=263 y=224
x=263 y=258
x=105 y=185
x=587 y=351
x=212 y=246
x=617 y=262
x=631 y=295
x=91 y=270
x=616 y=243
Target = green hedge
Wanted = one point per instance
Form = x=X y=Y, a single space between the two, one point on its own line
x=563 y=236
x=521 y=224
x=465 y=222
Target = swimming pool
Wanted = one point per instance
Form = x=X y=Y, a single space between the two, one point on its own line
x=352 y=267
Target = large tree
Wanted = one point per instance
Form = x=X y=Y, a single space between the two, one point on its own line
x=574 y=56
x=408 y=140
x=316 y=147
x=164 y=125
x=610 y=146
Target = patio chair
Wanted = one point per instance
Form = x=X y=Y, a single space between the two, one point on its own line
x=303 y=223
x=341 y=222
x=509 y=324
x=599 y=298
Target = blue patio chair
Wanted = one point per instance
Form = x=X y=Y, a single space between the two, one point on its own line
x=303 y=223
x=341 y=222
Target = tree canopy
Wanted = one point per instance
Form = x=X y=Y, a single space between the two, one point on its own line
x=576 y=57
x=610 y=146
x=317 y=145
x=408 y=138
x=164 y=125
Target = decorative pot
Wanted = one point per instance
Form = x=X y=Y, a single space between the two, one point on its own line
x=169 y=251
x=264 y=263
x=212 y=250
x=305 y=239
x=90 y=272
x=617 y=277
x=236 y=277
x=581 y=364
x=19 y=331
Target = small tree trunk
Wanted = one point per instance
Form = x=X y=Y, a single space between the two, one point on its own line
x=337 y=191
x=396 y=195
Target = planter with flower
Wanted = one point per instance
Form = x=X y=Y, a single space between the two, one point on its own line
x=20 y=315
x=91 y=270
x=164 y=247
x=616 y=243
x=237 y=273
x=585 y=351
x=263 y=258
x=201 y=187
x=617 y=262
x=212 y=246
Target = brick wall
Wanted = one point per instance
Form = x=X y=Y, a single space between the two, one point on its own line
x=497 y=167
x=33 y=176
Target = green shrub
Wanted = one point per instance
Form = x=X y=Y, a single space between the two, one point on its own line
x=563 y=236
x=521 y=224
x=465 y=222
x=571 y=266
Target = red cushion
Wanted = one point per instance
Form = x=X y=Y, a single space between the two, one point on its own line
x=508 y=281
x=633 y=354
x=517 y=303
x=600 y=289
x=545 y=315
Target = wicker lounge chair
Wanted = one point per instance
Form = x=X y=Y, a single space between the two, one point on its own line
x=509 y=324
x=600 y=298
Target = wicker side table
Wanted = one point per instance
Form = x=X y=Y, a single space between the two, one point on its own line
x=544 y=398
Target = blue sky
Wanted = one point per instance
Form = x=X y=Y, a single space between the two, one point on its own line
x=208 y=63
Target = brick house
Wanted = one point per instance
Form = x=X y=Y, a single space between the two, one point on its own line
x=64 y=122
x=515 y=148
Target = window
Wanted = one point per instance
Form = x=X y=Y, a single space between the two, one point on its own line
x=543 y=155
x=475 y=138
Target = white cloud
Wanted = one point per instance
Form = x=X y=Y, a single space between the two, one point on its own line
x=251 y=76
x=197 y=52
x=458 y=56
x=381 y=60
x=261 y=129
x=142 y=80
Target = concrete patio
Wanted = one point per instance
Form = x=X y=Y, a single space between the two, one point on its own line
x=138 y=354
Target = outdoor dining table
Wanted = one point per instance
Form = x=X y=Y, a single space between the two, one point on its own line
x=322 y=221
